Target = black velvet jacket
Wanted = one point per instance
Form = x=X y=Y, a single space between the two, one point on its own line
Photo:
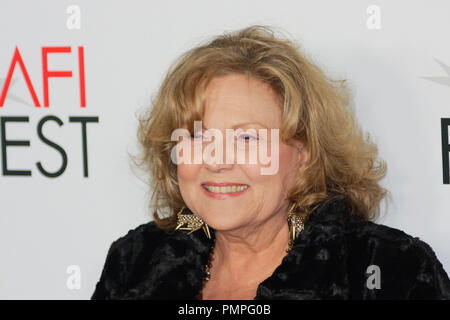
x=329 y=260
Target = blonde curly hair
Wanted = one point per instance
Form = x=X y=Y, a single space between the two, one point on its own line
x=314 y=110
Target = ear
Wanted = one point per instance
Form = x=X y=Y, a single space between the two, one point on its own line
x=303 y=154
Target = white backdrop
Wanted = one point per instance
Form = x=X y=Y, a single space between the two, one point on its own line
x=49 y=224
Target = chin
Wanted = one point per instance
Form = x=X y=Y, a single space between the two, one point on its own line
x=223 y=223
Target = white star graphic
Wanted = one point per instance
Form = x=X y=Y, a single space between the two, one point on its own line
x=442 y=80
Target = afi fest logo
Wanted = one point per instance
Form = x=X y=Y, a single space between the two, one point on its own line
x=373 y=23
x=7 y=96
x=445 y=124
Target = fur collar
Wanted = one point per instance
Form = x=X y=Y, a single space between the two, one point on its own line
x=174 y=266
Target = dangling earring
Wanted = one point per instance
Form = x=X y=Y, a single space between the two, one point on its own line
x=191 y=223
x=296 y=223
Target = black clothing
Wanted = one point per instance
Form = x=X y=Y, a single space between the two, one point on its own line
x=329 y=260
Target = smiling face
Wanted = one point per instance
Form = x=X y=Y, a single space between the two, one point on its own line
x=232 y=102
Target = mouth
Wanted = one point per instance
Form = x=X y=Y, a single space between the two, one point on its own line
x=224 y=190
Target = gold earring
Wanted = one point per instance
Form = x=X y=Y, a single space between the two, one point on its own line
x=191 y=223
x=296 y=223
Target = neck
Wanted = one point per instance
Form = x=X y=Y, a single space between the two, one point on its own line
x=240 y=252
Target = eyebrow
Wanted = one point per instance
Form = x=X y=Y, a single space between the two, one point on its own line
x=243 y=124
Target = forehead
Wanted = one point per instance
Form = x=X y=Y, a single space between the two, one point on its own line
x=235 y=99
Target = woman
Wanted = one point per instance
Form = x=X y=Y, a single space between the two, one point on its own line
x=303 y=231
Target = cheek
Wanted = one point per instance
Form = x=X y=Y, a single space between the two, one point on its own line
x=288 y=166
x=274 y=188
x=187 y=175
x=285 y=170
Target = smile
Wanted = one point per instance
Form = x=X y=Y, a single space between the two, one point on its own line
x=225 y=191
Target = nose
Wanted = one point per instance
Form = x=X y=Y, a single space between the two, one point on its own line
x=214 y=162
x=218 y=167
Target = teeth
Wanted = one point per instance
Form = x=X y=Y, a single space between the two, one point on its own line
x=227 y=189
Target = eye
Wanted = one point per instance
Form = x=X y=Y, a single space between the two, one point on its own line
x=196 y=135
x=248 y=137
